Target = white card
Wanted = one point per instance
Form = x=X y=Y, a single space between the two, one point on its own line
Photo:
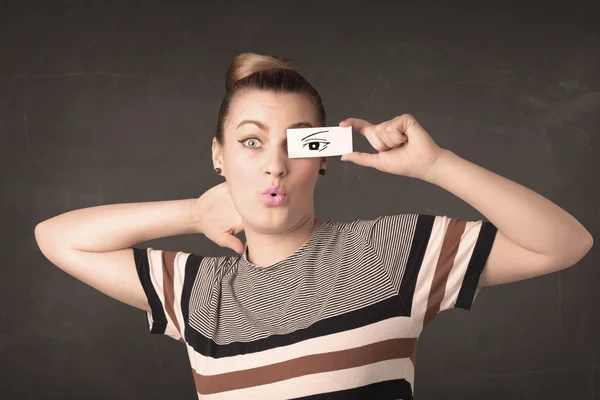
x=319 y=141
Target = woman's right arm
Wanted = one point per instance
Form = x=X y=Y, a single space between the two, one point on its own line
x=95 y=244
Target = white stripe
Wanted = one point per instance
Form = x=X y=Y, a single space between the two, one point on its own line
x=324 y=382
x=430 y=260
x=156 y=276
x=179 y=267
x=392 y=328
x=461 y=262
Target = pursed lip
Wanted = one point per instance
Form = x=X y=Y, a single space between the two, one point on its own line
x=274 y=190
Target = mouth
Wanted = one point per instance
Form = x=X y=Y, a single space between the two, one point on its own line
x=274 y=199
x=274 y=196
x=274 y=191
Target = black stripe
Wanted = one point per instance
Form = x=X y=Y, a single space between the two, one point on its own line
x=415 y=259
x=482 y=249
x=159 y=318
x=397 y=389
x=191 y=271
x=383 y=310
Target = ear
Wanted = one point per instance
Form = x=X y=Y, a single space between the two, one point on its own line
x=324 y=162
x=217 y=154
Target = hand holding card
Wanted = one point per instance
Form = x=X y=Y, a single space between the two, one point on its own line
x=404 y=147
x=319 y=141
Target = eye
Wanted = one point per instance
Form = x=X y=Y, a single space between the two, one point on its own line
x=252 y=141
x=316 y=144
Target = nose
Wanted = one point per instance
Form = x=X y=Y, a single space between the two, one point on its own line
x=276 y=162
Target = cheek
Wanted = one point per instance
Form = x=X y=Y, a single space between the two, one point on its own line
x=241 y=189
x=307 y=176
x=238 y=175
x=236 y=164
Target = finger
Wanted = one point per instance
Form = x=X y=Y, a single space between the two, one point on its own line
x=238 y=229
x=403 y=122
x=356 y=123
x=366 y=129
x=382 y=132
x=364 y=159
x=395 y=135
x=233 y=243
x=376 y=139
x=238 y=226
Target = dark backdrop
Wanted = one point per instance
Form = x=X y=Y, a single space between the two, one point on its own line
x=116 y=101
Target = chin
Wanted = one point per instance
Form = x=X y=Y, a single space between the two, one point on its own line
x=272 y=222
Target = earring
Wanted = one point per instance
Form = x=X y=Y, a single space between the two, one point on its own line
x=322 y=171
x=218 y=171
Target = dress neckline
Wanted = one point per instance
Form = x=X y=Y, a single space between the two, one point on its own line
x=289 y=260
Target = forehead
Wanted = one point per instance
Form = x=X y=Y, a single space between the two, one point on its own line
x=272 y=108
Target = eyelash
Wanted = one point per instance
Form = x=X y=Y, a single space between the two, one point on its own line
x=242 y=141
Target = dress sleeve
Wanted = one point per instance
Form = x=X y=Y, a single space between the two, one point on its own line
x=162 y=274
x=434 y=260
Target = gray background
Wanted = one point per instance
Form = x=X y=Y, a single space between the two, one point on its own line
x=108 y=102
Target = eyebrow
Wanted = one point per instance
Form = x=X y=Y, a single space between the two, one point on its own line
x=313 y=134
x=264 y=127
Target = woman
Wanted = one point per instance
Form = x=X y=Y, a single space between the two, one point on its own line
x=309 y=306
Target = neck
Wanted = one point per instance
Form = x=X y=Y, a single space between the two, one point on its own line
x=266 y=249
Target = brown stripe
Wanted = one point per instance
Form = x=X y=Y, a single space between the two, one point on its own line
x=454 y=232
x=312 y=364
x=168 y=262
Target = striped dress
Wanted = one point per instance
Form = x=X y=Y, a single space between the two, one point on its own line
x=337 y=319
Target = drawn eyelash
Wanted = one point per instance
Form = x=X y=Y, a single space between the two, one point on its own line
x=316 y=141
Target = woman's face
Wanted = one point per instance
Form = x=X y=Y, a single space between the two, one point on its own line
x=254 y=158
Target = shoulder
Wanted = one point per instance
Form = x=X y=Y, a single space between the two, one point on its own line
x=181 y=262
x=386 y=223
x=217 y=265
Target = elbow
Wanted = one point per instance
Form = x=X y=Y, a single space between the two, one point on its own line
x=589 y=238
x=39 y=230
x=588 y=243
x=579 y=251
x=38 y=233
x=43 y=238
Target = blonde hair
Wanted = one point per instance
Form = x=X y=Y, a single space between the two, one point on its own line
x=246 y=64
x=264 y=72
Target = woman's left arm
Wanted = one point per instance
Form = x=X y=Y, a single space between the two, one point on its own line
x=535 y=236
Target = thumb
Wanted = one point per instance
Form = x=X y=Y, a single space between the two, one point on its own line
x=233 y=243
x=364 y=159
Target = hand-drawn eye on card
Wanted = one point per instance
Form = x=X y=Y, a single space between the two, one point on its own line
x=316 y=143
x=322 y=141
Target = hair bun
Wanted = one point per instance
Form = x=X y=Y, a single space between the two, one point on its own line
x=246 y=64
